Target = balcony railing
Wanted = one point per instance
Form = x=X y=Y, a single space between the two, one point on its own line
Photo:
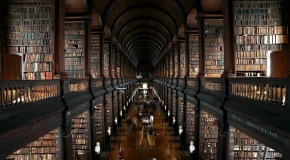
x=266 y=90
x=274 y=91
x=13 y=93
x=213 y=85
x=19 y=92
x=77 y=85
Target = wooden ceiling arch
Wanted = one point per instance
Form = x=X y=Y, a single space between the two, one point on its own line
x=146 y=29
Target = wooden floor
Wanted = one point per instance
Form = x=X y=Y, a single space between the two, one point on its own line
x=167 y=145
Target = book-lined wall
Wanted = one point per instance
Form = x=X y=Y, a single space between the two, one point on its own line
x=115 y=103
x=246 y=147
x=113 y=62
x=121 y=103
x=173 y=107
x=260 y=28
x=29 y=34
x=169 y=100
x=99 y=121
x=118 y=64
x=80 y=136
x=45 y=147
x=106 y=47
x=176 y=64
x=171 y=69
x=213 y=48
x=180 y=106
x=74 y=49
x=190 y=119
x=182 y=59
x=95 y=56
x=167 y=63
x=208 y=136
x=109 y=113
x=193 y=55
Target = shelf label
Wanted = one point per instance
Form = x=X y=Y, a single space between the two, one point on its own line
x=257 y=127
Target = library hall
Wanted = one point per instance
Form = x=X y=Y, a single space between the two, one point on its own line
x=144 y=80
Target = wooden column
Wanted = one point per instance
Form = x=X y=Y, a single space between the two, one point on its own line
x=67 y=139
x=200 y=20
x=101 y=55
x=197 y=130
x=288 y=55
x=187 y=54
x=222 y=146
x=229 y=53
x=59 y=40
x=113 y=54
x=1 y=40
x=88 y=47
x=177 y=50
x=108 y=42
x=92 y=128
x=106 y=136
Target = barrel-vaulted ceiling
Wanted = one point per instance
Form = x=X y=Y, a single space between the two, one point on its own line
x=143 y=29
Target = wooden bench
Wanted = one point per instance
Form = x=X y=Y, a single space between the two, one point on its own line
x=139 y=138
x=151 y=140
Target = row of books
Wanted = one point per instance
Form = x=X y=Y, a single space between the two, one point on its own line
x=29 y=23
x=37 y=66
x=29 y=42
x=261 y=30
x=262 y=39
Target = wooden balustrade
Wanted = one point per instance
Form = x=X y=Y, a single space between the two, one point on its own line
x=77 y=85
x=267 y=90
x=192 y=82
x=97 y=83
x=213 y=85
x=18 y=92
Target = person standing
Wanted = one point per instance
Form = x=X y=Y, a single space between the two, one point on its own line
x=151 y=119
x=134 y=123
x=121 y=154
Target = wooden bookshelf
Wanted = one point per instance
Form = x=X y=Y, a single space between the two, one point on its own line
x=95 y=56
x=74 y=49
x=170 y=102
x=246 y=147
x=80 y=136
x=116 y=105
x=176 y=64
x=45 y=147
x=180 y=112
x=182 y=59
x=113 y=62
x=173 y=101
x=171 y=69
x=99 y=121
x=190 y=122
x=193 y=55
x=29 y=35
x=213 y=48
x=118 y=64
x=109 y=113
x=106 y=57
x=260 y=28
x=167 y=63
x=208 y=136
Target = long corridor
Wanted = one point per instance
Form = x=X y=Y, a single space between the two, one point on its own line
x=167 y=144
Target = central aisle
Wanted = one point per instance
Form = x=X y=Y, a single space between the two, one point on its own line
x=166 y=145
